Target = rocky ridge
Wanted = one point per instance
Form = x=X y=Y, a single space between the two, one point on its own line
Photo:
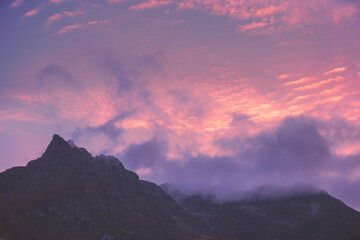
x=68 y=194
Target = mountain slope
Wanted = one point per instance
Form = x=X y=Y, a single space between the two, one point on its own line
x=68 y=194
x=313 y=215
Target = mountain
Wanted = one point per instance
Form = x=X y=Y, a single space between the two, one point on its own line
x=69 y=194
x=273 y=213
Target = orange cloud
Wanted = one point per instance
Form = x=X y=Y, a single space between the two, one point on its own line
x=69 y=28
x=335 y=70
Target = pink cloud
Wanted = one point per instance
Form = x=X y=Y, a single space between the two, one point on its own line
x=143 y=171
x=92 y=106
x=24 y=115
x=95 y=22
x=74 y=13
x=30 y=98
x=150 y=4
x=56 y=1
x=319 y=84
x=263 y=12
x=32 y=12
x=284 y=76
x=69 y=28
x=53 y=18
x=343 y=12
x=279 y=14
x=299 y=81
x=114 y=1
x=16 y=3
x=336 y=70
x=333 y=90
x=59 y=15
x=253 y=25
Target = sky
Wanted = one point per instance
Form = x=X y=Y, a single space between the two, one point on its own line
x=222 y=94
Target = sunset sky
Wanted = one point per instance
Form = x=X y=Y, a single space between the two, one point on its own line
x=229 y=94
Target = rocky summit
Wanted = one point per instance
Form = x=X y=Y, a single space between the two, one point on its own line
x=69 y=194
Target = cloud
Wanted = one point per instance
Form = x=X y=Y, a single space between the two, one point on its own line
x=284 y=76
x=269 y=10
x=33 y=12
x=319 y=84
x=16 y=3
x=294 y=152
x=110 y=128
x=69 y=28
x=253 y=25
x=280 y=15
x=150 y=4
x=299 y=81
x=73 y=13
x=146 y=154
x=296 y=146
x=340 y=13
x=56 y=1
x=100 y=22
x=53 y=18
x=119 y=69
x=53 y=77
x=335 y=70
x=62 y=14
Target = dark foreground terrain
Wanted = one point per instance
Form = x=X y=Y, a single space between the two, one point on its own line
x=68 y=194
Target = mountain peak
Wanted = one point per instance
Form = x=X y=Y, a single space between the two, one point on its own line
x=57 y=147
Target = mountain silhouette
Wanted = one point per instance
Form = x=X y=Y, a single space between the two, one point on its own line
x=69 y=194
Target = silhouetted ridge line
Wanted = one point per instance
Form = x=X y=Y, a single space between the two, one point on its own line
x=69 y=194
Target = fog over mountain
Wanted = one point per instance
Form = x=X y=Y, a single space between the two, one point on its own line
x=294 y=153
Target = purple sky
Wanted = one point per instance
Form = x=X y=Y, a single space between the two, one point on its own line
x=229 y=94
